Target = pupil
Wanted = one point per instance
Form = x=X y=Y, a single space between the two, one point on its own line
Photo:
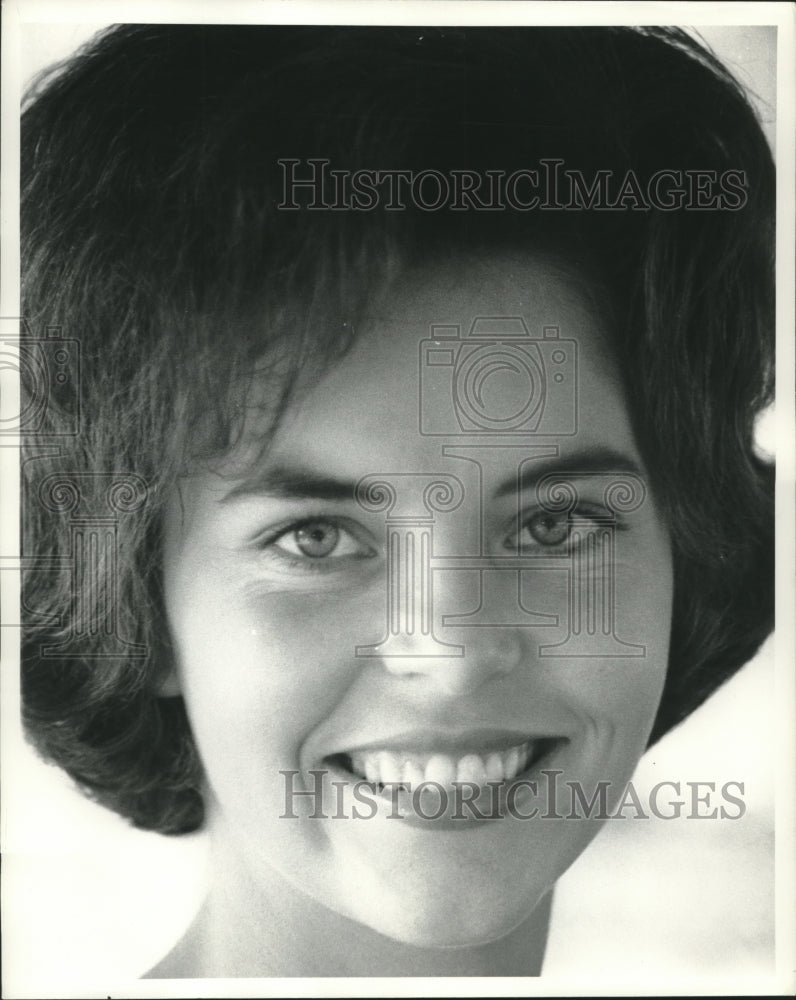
x=317 y=540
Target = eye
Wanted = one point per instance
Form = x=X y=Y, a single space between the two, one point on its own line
x=319 y=539
x=553 y=530
x=544 y=528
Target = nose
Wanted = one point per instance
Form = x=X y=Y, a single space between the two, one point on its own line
x=450 y=659
x=478 y=655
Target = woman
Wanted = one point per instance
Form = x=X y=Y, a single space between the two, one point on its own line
x=417 y=369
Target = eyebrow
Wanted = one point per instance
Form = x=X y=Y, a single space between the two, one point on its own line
x=295 y=482
x=288 y=482
x=585 y=462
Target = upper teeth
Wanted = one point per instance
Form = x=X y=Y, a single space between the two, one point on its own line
x=382 y=766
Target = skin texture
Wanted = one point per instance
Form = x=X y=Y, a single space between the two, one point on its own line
x=265 y=637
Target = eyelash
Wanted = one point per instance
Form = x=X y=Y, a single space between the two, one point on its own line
x=327 y=563
x=315 y=564
x=564 y=518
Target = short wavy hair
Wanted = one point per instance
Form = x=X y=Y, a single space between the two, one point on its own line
x=153 y=242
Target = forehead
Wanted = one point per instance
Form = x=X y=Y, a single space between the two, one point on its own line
x=492 y=349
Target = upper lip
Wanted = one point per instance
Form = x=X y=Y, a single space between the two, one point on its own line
x=447 y=741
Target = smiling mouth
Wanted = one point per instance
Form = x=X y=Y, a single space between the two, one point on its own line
x=406 y=770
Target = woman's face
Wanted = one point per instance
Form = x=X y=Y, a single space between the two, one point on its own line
x=497 y=628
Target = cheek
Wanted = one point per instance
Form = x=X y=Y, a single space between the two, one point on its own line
x=260 y=669
x=619 y=694
x=609 y=653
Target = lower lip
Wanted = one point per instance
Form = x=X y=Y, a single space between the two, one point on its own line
x=490 y=803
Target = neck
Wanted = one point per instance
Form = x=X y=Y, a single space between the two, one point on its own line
x=243 y=932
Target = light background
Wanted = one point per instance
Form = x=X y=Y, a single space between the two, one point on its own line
x=94 y=901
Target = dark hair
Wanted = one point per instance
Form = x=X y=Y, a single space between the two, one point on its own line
x=152 y=236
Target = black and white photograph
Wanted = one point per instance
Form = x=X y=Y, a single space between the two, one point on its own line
x=398 y=456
